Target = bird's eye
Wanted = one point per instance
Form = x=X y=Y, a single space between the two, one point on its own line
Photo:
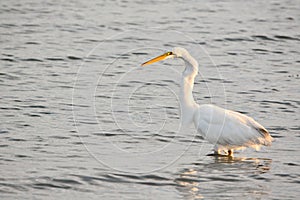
x=170 y=53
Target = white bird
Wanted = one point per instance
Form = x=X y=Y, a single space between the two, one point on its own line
x=227 y=130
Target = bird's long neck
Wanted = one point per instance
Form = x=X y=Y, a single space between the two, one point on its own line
x=187 y=101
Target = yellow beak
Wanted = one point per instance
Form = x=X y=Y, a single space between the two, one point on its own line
x=158 y=58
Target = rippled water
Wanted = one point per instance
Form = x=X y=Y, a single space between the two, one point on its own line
x=81 y=119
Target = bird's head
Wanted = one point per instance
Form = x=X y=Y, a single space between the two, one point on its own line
x=177 y=52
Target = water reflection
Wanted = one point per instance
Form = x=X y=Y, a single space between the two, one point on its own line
x=222 y=176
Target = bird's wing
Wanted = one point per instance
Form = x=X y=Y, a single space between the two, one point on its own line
x=256 y=132
x=229 y=128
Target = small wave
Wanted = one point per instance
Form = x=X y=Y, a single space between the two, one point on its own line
x=8 y=59
x=5 y=187
x=260 y=50
x=74 y=58
x=10 y=108
x=238 y=39
x=284 y=37
x=278 y=102
x=59 y=137
x=263 y=37
x=49 y=185
x=55 y=59
x=36 y=106
x=292 y=164
x=32 y=43
x=151 y=179
x=183 y=181
x=31 y=60
x=295 y=128
x=8 y=25
x=32 y=115
x=110 y=134
x=3 y=131
x=22 y=156
x=67 y=181
x=139 y=53
x=17 y=140
x=226 y=179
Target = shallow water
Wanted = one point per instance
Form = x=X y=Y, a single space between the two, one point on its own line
x=81 y=119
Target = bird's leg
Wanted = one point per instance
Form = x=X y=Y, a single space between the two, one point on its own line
x=230 y=152
x=217 y=151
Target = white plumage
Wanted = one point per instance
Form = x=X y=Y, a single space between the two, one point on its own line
x=226 y=129
x=229 y=130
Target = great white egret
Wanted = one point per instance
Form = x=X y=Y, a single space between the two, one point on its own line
x=227 y=130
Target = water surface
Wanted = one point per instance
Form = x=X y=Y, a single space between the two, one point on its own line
x=81 y=119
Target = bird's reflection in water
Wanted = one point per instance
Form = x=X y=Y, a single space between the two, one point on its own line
x=224 y=177
x=188 y=186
